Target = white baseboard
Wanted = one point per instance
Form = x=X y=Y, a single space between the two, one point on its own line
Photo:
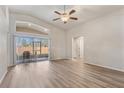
x=108 y=67
x=3 y=77
x=58 y=59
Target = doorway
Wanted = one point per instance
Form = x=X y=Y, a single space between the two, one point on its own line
x=78 y=47
x=31 y=49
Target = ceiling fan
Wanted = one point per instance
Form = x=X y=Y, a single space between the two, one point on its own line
x=65 y=16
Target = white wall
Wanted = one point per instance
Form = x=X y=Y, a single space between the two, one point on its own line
x=3 y=40
x=103 y=40
x=57 y=36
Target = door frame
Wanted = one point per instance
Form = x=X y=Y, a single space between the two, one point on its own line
x=73 y=46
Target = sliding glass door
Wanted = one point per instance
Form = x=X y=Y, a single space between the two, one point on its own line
x=31 y=49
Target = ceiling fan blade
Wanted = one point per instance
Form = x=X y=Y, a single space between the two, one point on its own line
x=56 y=19
x=73 y=18
x=71 y=12
x=57 y=12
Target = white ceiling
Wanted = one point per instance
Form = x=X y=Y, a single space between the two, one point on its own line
x=46 y=12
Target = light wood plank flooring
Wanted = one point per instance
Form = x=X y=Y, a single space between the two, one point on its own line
x=62 y=74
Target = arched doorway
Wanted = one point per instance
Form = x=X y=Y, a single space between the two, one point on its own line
x=32 y=43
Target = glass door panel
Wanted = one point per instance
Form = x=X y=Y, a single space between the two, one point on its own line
x=44 y=48
x=31 y=49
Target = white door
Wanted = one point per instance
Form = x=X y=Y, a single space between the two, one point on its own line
x=78 y=48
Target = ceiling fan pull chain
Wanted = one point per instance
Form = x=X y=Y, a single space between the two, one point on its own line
x=64 y=8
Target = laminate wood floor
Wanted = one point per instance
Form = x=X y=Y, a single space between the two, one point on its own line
x=62 y=74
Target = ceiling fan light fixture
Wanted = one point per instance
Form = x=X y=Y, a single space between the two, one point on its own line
x=65 y=18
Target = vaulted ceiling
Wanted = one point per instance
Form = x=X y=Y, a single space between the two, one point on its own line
x=46 y=12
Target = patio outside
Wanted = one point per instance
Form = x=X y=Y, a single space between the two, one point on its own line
x=37 y=49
